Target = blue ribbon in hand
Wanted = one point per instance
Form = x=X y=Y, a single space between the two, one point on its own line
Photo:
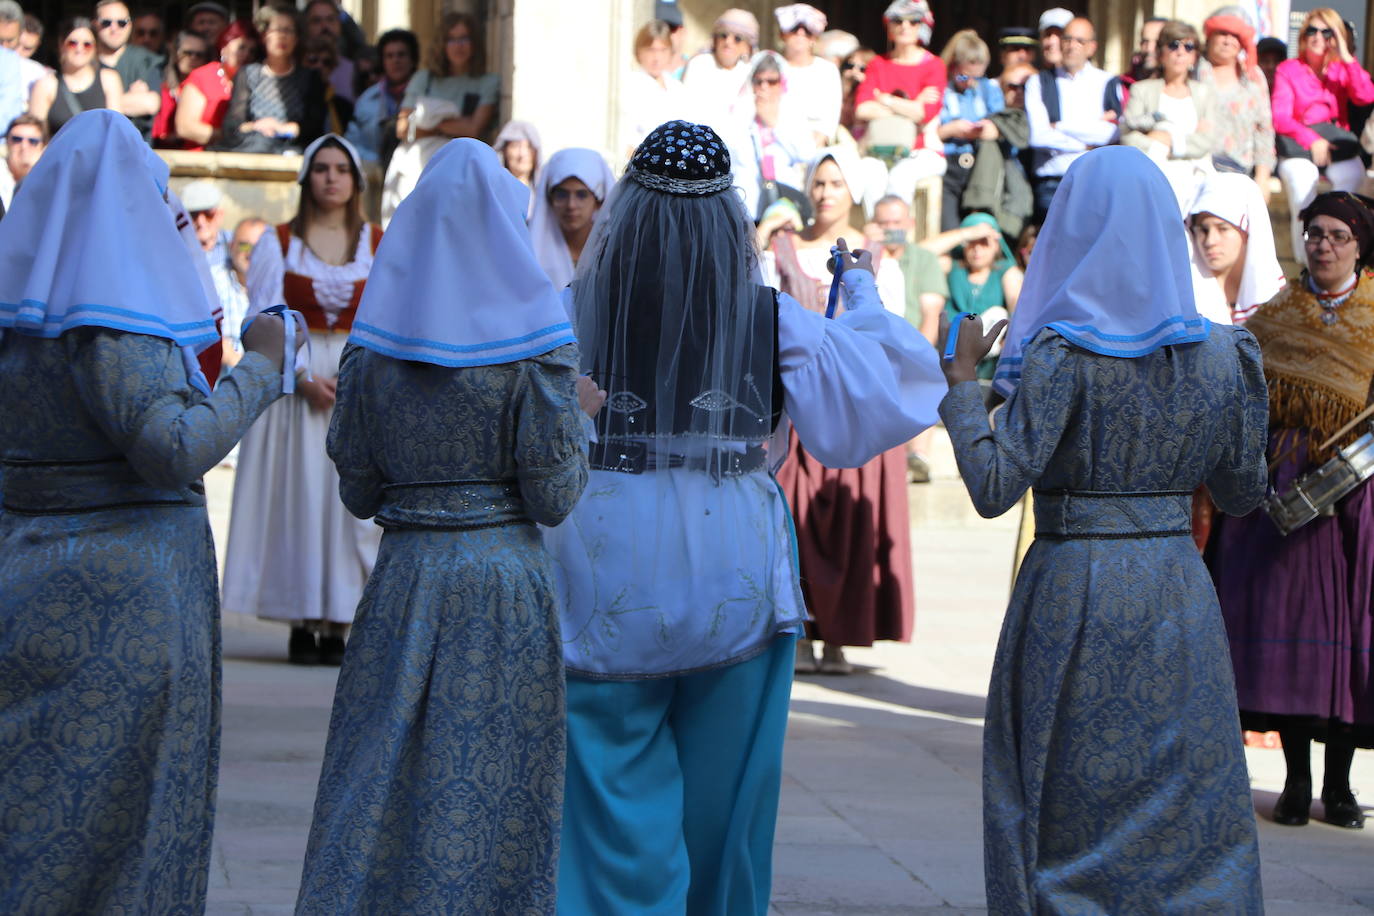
x=834 y=299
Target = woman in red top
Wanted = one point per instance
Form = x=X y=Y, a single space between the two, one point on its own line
x=205 y=93
x=1312 y=95
x=189 y=51
x=908 y=82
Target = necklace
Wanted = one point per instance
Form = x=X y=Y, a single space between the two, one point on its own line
x=1333 y=300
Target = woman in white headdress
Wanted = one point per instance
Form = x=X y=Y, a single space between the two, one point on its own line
x=682 y=602
x=295 y=554
x=457 y=428
x=1113 y=766
x=109 y=626
x=1235 y=268
x=572 y=187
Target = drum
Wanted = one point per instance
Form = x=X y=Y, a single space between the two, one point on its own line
x=1316 y=493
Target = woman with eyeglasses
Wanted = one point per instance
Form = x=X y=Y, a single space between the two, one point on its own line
x=456 y=74
x=79 y=83
x=205 y=93
x=277 y=105
x=852 y=70
x=189 y=51
x=717 y=80
x=1244 y=135
x=1299 y=608
x=770 y=150
x=572 y=187
x=813 y=83
x=907 y=84
x=1312 y=96
x=1172 y=117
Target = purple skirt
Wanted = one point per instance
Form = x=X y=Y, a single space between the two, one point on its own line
x=1299 y=611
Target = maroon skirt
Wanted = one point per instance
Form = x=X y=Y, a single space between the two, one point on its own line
x=854 y=540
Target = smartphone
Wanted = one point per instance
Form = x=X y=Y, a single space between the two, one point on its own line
x=894 y=237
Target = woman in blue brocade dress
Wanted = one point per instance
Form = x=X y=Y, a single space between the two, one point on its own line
x=1114 y=775
x=109 y=608
x=457 y=428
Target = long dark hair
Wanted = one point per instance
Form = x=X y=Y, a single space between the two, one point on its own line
x=353 y=210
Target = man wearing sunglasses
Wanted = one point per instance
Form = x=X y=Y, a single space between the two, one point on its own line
x=716 y=79
x=138 y=68
x=25 y=141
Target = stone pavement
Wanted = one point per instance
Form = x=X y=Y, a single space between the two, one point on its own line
x=880 y=806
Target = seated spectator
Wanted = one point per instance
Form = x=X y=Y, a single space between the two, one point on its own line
x=651 y=95
x=901 y=94
x=231 y=284
x=1025 y=244
x=366 y=71
x=323 y=20
x=25 y=141
x=150 y=32
x=204 y=97
x=1271 y=52
x=202 y=200
x=717 y=80
x=139 y=71
x=1051 y=28
x=1145 y=60
x=812 y=83
x=771 y=147
x=30 y=37
x=1235 y=267
x=835 y=45
x=277 y=106
x=572 y=188
x=984 y=279
x=322 y=56
x=456 y=75
x=519 y=147
x=998 y=183
x=1172 y=117
x=1244 y=135
x=373 y=129
x=189 y=51
x=208 y=19
x=11 y=25
x=853 y=68
x=969 y=102
x=1070 y=111
x=1312 y=94
x=1015 y=48
x=16 y=35
x=80 y=83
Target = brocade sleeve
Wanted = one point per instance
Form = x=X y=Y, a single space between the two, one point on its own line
x=348 y=444
x=550 y=458
x=1239 y=481
x=134 y=386
x=999 y=465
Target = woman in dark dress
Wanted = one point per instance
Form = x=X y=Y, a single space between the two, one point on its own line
x=79 y=84
x=277 y=105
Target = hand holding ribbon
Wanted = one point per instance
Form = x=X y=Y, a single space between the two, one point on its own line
x=280 y=343
x=843 y=259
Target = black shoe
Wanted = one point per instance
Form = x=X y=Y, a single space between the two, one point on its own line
x=1342 y=809
x=1294 y=805
x=302 y=648
x=331 y=650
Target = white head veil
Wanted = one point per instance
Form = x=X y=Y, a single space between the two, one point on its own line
x=455 y=281
x=90 y=241
x=850 y=166
x=1110 y=270
x=587 y=166
x=1236 y=199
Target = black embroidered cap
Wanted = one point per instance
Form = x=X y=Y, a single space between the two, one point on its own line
x=682 y=158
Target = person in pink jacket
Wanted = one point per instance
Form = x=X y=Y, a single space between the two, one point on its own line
x=1312 y=94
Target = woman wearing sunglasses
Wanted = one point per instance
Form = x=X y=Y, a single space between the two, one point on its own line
x=79 y=83
x=1171 y=118
x=189 y=51
x=1312 y=95
x=717 y=80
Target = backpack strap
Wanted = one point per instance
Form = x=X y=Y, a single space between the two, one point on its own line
x=1111 y=96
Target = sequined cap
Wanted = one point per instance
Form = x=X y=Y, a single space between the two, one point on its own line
x=682 y=158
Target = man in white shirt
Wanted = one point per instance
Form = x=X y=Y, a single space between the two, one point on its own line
x=1069 y=112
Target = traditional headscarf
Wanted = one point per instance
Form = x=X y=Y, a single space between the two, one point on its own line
x=798 y=14
x=1236 y=198
x=1349 y=209
x=987 y=219
x=308 y=159
x=851 y=168
x=913 y=9
x=587 y=166
x=1234 y=20
x=521 y=130
x=455 y=281
x=1110 y=271
x=741 y=22
x=90 y=242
